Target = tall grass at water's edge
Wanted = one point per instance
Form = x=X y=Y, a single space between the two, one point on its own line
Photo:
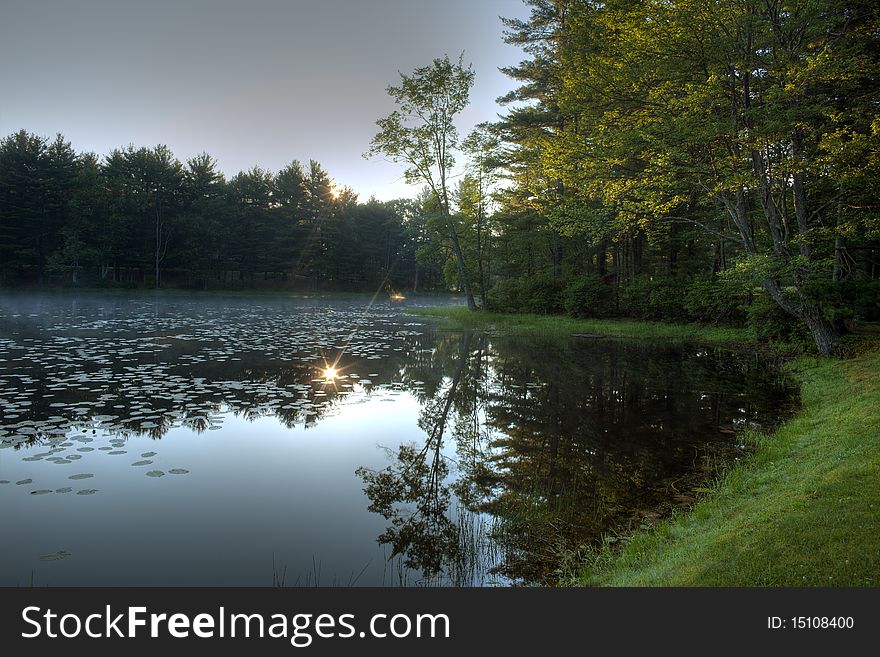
x=556 y=325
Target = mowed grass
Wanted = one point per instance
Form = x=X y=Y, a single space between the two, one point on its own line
x=802 y=510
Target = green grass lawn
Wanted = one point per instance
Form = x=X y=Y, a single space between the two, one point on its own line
x=803 y=510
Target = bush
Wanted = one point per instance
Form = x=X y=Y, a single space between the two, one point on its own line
x=769 y=323
x=713 y=300
x=652 y=298
x=504 y=295
x=540 y=295
x=587 y=296
x=865 y=300
x=847 y=300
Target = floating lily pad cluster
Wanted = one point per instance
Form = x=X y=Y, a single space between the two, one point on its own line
x=78 y=381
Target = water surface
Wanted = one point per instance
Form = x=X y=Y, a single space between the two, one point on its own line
x=234 y=441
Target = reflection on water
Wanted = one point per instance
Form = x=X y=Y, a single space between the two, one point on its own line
x=241 y=441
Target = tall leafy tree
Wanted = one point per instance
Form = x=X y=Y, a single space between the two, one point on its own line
x=734 y=103
x=317 y=221
x=421 y=133
x=25 y=225
x=475 y=199
x=83 y=220
x=163 y=181
x=250 y=193
x=204 y=217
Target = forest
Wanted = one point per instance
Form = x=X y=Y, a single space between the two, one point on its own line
x=677 y=161
x=139 y=217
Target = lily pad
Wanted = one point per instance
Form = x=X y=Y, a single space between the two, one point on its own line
x=144 y=462
x=66 y=489
x=81 y=476
x=55 y=556
x=87 y=491
x=155 y=473
x=147 y=455
x=23 y=482
x=41 y=491
x=178 y=471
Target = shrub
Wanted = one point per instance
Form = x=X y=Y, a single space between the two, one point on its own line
x=652 y=298
x=848 y=299
x=588 y=296
x=769 y=323
x=504 y=295
x=713 y=300
x=540 y=295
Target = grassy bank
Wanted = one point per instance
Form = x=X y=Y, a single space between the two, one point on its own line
x=804 y=510
x=552 y=325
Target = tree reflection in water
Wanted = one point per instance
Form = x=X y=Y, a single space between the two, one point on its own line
x=526 y=449
x=556 y=445
x=414 y=494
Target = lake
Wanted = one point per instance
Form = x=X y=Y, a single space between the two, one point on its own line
x=210 y=440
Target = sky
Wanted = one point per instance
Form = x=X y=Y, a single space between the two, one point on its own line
x=251 y=82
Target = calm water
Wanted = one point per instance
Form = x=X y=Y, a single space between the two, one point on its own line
x=208 y=441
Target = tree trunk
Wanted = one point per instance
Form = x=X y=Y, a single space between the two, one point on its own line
x=460 y=260
x=481 y=276
x=601 y=257
x=800 y=193
x=822 y=329
x=557 y=257
x=839 y=272
x=158 y=236
x=824 y=332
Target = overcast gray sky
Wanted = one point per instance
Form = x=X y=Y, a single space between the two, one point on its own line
x=256 y=82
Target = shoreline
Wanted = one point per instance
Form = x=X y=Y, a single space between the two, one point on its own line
x=803 y=509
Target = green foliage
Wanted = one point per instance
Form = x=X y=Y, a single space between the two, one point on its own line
x=138 y=214
x=588 y=296
x=652 y=299
x=767 y=322
x=505 y=295
x=655 y=141
x=848 y=299
x=541 y=295
x=714 y=300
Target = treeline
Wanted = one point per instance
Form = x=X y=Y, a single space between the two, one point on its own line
x=673 y=160
x=691 y=160
x=140 y=217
